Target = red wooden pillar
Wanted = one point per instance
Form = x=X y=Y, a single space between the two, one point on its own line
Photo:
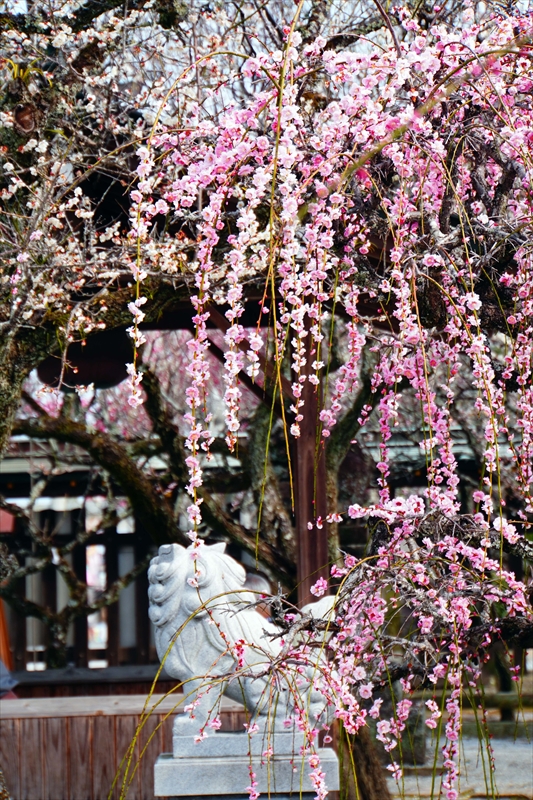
x=310 y=499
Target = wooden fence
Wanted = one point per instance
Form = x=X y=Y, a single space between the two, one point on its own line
x=71 y=748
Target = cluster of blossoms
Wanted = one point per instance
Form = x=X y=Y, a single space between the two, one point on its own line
x=420 y=613
x=287 y=193
x=365 y=203
x=76 y=101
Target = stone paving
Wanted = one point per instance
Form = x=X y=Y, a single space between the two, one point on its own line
x=513 y=778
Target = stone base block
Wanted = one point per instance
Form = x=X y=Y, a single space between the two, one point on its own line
x=297 y=796
x=228 y=776
x=238 y=743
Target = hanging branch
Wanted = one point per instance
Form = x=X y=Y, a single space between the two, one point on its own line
x=151 y=508
x=214 y=515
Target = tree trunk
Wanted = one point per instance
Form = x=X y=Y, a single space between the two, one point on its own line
x=276 y=524
x=362 y=775
x=332 y=498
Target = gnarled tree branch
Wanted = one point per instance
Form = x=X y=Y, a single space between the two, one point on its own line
x=152 y=509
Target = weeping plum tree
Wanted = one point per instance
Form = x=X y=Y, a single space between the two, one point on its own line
x=370 y=190
x=400 y=202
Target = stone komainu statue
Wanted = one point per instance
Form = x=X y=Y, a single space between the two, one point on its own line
x=211 y=637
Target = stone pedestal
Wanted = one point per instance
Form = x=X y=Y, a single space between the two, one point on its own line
x=302 y=796
x=220 y=767
x=225 y=646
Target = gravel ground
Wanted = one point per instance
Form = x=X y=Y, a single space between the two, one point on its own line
x=513 y=778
